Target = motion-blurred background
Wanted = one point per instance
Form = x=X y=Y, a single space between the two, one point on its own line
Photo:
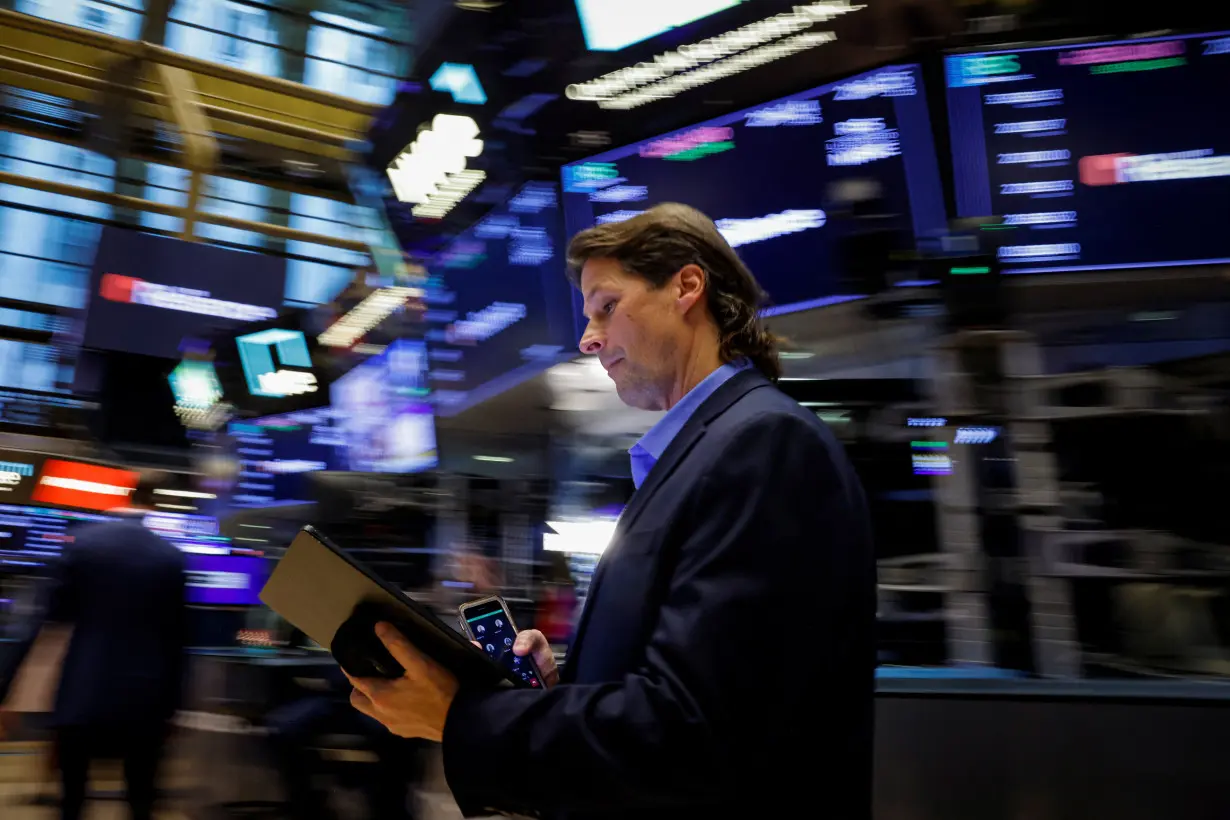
x=304 y=260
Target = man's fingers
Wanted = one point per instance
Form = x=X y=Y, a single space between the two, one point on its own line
x=531 y=640
x=370 y=687
x=362 y=702
x=400 y=648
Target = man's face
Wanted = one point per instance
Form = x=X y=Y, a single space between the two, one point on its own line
x=634 y=330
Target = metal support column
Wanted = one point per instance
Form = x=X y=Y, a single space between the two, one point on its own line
x=200 y=146
x=967 y=617
x=1056 y=647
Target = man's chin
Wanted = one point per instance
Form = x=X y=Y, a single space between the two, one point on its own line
x=636 y=399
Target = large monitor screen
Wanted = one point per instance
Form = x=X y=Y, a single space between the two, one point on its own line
x=277 y=453
x=63 y=483
x=503 y=308
x=383 y=412
x=226 y=580
x=769 y=175
x=34 y=536
x=1102 y=155
x=148 y=292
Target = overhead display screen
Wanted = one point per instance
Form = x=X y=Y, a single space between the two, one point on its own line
x=64 y=483
x=225 y=580
x=148 y=292
x=276 y=454
x=501 y=308
x=275 y=367
x=769 y=176
x=1102 y=155
x=382 y=412
x=17 y=473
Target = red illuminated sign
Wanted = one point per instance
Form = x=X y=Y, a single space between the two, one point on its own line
x=86 y=486
x=117 y=288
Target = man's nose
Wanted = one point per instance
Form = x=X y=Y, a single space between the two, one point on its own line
x=591 y=342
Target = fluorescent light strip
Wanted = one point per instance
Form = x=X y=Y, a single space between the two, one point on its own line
x=369 y=313
x=184 y=494
x=175 y=506
x=448 y=194
x=720 y=70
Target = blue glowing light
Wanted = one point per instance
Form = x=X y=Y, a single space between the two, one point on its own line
x=460 y=80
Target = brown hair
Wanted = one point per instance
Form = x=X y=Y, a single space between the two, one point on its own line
x=657 y=243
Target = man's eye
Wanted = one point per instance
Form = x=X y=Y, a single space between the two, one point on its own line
x=608 y=307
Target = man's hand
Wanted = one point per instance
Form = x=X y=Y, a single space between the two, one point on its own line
x=414 y=705
x=532 y=642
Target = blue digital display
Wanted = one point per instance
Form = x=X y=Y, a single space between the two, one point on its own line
x=769 y=176
x=383 y=413
x=265 y=357
x=1100 y=155
x=501 y=310
x=276 y=454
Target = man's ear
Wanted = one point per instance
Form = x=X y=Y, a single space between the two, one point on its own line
x=692 y=283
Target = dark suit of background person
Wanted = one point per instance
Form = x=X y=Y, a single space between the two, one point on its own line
x=122 y=589
x=724 y=663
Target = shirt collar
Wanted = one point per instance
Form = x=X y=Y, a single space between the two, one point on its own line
x=646 y=452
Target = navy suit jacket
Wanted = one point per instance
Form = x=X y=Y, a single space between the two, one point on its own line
x=724 y=662
x=122 y=588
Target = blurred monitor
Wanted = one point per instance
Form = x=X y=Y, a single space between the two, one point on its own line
x=149 y=292
x=83 y=485
x=275 y=366
x=785 y=181
x=226 y=580
x=1103 y=155
x=383 y=413
x=190 y=533
x=32 y=536
x=277 y=453
x=502 y=310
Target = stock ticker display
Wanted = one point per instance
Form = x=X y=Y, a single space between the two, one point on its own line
x=501 y=309
x=148 y=292
x=774 y=177
x=275 y=454
x=1102 y=155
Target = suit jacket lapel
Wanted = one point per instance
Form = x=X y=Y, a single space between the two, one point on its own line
x=693 y=431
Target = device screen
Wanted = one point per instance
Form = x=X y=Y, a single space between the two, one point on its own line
x=489 y=624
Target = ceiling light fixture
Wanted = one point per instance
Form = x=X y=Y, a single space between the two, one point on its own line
x=731 y=53
x=431 y=172
x=378 y=306
x=184 y=494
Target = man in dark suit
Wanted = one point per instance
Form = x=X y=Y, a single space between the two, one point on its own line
x=724 y=661
x=122 y=589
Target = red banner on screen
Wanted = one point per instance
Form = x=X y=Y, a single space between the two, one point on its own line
x=87 y=486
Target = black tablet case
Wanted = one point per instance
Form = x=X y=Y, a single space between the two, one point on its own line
x=337 y=602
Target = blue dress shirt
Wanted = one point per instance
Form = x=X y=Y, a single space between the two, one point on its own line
x=646 y=452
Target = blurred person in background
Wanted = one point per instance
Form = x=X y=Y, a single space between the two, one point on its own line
x=724 y=663
x=557 y=602
x=121 y=589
